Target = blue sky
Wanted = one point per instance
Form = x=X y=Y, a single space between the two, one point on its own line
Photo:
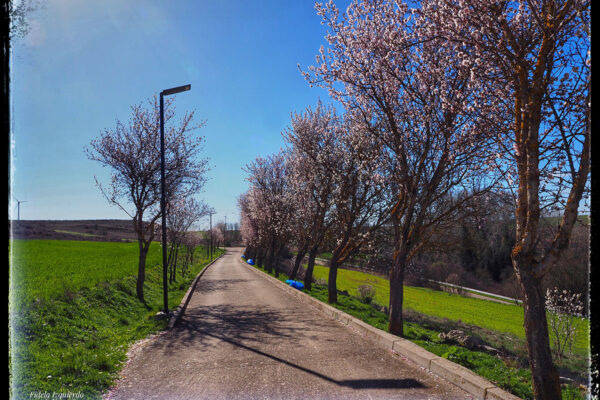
x=84 y=63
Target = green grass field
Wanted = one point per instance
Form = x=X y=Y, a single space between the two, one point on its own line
x=505 y=318
x=74 y=312
x=43 y=269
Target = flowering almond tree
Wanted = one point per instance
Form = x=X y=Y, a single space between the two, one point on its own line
x=359 y=205
x=300 y=218
x=314 y=163
x=254 y=225
x=271 y=204
x=248 y=226
x=132 y=152
x=190 y=242
x=217 y=236
x=181 y=215
x=533 y=59
x=410 y=95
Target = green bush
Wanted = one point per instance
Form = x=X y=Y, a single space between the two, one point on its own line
x=366 y=293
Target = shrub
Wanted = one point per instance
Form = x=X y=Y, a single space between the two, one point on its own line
x=565 y=314
x=366 y=293
x=321 y=281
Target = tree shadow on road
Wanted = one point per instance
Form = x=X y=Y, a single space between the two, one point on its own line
x=200 y=326
x=249 y=328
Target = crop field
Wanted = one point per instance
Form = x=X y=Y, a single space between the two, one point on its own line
x=42 y=269
x=505 y=318
x=74 y=312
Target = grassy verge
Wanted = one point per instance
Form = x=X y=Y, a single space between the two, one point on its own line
x=497 y=317
x=71 y=333
x=509 y=373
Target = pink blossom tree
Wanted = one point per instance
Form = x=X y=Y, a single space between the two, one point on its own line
x=359 y=206
x=190 y=243
x=217 y=236
x=132 y=152
x=254 y=225
x=314 y=161
x=271 y=206
x=410 y=95
x=248 y=226
x=533 y=60
x=182 y=213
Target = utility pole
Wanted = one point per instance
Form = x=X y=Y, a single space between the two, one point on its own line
x=211 y=214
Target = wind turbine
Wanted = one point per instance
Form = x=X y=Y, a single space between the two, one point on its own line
x=19 y=207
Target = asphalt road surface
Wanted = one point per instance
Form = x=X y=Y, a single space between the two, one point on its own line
x=242 y=337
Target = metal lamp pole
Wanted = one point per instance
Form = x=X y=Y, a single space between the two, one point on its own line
x=211 y=242
x=166 y=92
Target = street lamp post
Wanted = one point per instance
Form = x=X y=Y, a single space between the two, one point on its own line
x=211 y=242
x=166 y=92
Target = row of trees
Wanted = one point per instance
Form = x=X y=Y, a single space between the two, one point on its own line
x=444 y=102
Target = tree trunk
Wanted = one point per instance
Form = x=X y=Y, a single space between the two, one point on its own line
x=298 y=261
x=546 y=384
x=170 y=262
x=395 y=318
x=332 y=280
x=260 y=256
x=276 y=252
x=309 y=269
x=174 y=266
x=141 y=270
x=269 y=259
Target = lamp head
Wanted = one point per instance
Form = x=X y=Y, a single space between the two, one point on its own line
x=174 y=90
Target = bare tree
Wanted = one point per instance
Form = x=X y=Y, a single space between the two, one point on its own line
x=132 y=153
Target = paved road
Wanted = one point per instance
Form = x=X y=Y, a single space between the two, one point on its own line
x=244 y=338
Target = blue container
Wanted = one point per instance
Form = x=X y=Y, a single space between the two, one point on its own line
x=250 y=261
x=295 y=284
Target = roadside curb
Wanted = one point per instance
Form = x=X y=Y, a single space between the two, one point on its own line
x=460 y=376
x=180 y=310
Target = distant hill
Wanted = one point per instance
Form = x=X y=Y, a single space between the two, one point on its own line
x=105 y=230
